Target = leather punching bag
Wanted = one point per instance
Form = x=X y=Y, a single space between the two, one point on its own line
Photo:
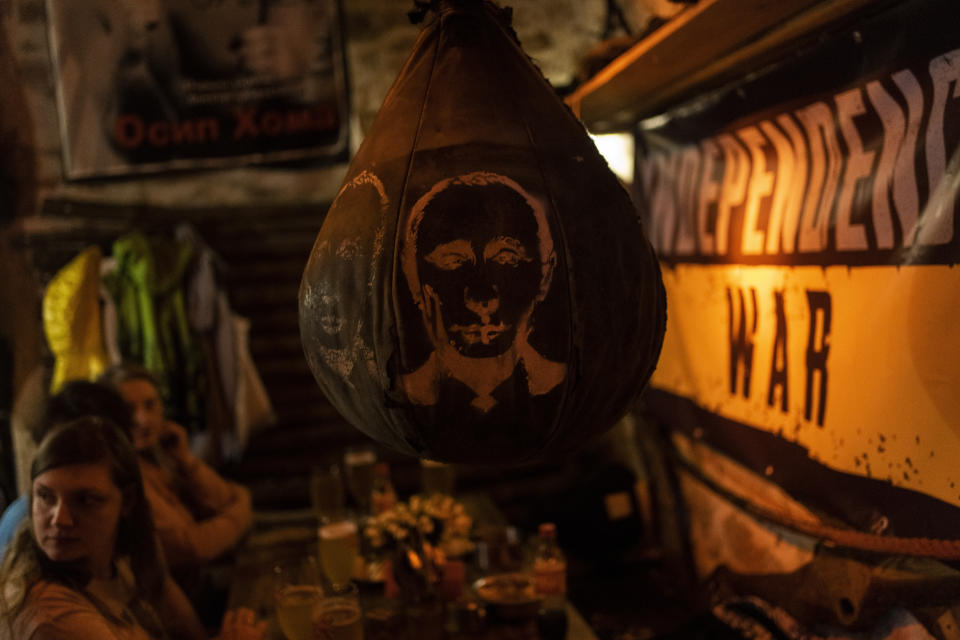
x=481 y=289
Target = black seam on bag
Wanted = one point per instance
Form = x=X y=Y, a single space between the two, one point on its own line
x=411 y=438
x=573 y=354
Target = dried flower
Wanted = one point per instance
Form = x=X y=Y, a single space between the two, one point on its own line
x=437 y=519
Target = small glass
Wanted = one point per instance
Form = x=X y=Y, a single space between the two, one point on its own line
x=326 y=491
x=436 y=477
x=339 y=616
x=384 y=619
x=359 y=467
x=297 y=597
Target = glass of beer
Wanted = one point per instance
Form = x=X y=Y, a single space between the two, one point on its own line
x=326 y=490
x=339 y=616
x=339 y=549
x=436 y=477
x=359 y=467
x=297 y=597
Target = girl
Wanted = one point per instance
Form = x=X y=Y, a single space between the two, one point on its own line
x=89 y=566
x=199 y=515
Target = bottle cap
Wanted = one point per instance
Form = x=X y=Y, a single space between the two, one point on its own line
x=382 y=469
x=548 y=530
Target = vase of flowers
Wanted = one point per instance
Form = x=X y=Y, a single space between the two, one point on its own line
x=416 y=538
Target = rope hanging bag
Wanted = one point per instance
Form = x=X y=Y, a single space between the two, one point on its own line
x=481 y=289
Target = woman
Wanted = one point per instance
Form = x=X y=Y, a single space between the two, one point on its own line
x=198 y=515
x=88 y=566
x=77 y=399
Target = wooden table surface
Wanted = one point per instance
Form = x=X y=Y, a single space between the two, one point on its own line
x=289 y=535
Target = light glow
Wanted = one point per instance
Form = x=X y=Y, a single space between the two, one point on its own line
x=617 y=150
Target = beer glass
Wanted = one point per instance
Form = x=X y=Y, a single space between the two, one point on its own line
x=339 y=548
x=339 y=616
x=359 y=466
x=436 y=477
x=326 y=491
x=297 y=596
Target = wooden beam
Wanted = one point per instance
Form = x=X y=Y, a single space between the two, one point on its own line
x=711 y=40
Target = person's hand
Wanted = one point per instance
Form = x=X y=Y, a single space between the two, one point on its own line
x=241 y=624
x=174 y=441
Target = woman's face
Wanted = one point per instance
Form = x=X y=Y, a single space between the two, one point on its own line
x=146 y=408
x=76 y=512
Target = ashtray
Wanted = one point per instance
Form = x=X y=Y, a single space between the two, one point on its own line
x=508 y=596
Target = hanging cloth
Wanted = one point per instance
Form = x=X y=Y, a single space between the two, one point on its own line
x=147 y=287
x=71 y=320
x=252 y=408
x=209 y=321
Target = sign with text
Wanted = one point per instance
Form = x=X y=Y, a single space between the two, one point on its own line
x=809 y=243
x=145 y=86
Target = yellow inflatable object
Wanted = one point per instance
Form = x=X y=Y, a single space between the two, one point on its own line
x=71 y=320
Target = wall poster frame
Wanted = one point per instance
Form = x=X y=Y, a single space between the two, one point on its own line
x=154 y=85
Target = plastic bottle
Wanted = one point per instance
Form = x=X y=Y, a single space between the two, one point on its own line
x=549 y=563
x=382 y=497
x=550 y=581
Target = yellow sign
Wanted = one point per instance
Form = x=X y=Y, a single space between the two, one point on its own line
x=858 y=365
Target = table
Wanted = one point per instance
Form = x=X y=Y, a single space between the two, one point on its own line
x=287 y=535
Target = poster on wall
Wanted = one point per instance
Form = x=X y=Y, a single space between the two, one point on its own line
x=807 y=224
x=154 y=85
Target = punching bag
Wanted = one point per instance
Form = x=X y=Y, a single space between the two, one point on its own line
x=480 y=290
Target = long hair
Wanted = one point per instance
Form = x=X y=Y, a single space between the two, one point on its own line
x=89 y=440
